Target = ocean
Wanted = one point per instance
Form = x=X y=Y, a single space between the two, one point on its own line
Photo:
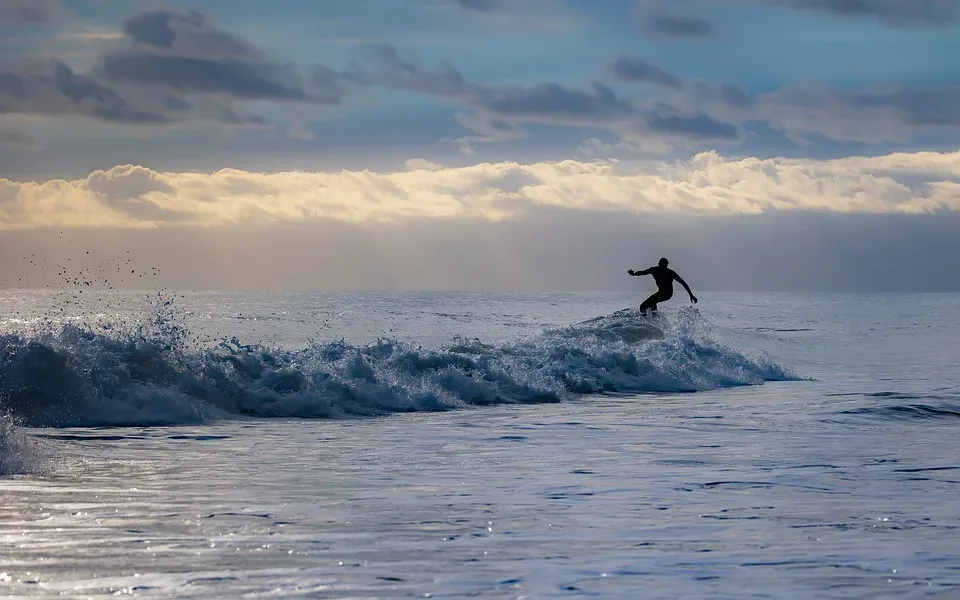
x=454 y=445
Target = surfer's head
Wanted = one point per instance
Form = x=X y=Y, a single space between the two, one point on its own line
x=663 y=262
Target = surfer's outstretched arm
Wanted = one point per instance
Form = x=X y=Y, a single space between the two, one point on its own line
x=638 y=273
x=685 y=286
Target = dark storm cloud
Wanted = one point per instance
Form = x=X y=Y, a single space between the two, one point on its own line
x=181 y=50
x=51 y=87
x=670 y=25
x=636 y=70
x=188 y=74
x=188 y=31
x=104 y=102
x=895 y=12
x=698 y=127
x=25 y=12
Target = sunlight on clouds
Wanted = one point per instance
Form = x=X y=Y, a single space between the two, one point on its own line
x=93 y=36
x=134 y=196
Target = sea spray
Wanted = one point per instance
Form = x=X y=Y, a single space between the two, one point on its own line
x=151 y=374
x=18 y=452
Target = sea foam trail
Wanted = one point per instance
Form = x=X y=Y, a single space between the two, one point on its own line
x=71 y=376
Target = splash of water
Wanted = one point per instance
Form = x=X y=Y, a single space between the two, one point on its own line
x=67 y=375
x=18 y=452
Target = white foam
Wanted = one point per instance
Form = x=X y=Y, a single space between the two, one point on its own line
x=18 y=452
x=72 y=376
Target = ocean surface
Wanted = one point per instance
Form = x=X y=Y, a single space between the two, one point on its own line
x=453 y=445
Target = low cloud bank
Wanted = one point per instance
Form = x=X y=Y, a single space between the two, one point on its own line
x=137 y=197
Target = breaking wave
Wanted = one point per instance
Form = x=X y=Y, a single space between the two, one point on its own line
x=74 y=376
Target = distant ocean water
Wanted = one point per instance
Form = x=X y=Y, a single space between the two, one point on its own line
x=466 y=444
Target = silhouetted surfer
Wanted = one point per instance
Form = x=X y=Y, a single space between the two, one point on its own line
x=664 y=277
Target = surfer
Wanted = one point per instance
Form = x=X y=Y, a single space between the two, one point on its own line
x=664 y=277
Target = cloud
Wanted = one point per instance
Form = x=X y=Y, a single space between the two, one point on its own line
x=16 y=138
x=509 y=15
x=126 y=182
x=502 y=107
x=183 y=51
x=555 y=103
x=327 y=85
x=871 y=114
x=52 y=88
x=864 y=114
x=25 y=12
x=187 y=31
x=479 y=5
x=170 y=67
x=673 y=124
x=892 y=12
x=657 y=16
x=94 y=35
x=182 y=73
x=595 y=147
x=677 y=26
x=126 y=189
x=501 y=110
x=631 y=69
x=415 y=164
x=132 y=196
x=600 y=106
x=177 y=66
x=672 y=112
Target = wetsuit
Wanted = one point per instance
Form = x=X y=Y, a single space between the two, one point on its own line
x=664 y=277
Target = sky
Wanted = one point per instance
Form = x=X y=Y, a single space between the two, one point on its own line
x=481 y=144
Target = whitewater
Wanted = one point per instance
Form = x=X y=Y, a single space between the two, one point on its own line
x=384 y=445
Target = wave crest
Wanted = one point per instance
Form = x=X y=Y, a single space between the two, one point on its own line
x=73 y=376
